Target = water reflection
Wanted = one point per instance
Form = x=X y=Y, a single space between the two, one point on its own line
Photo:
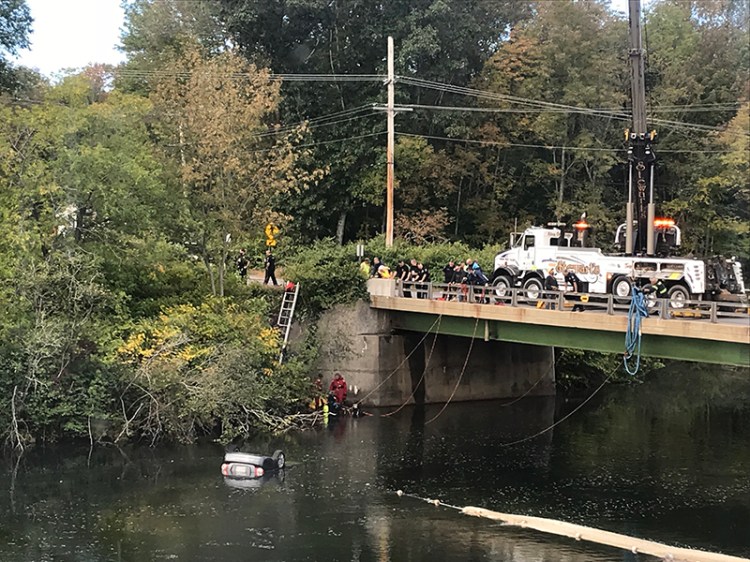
x=667 y=460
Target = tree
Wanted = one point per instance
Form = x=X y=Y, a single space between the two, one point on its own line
x=15 y=27
x=543 y=161
x=78 y=183
x=157 y=32
x=215 y=115
x=443 y=40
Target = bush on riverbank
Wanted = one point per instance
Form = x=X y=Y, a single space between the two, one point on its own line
x=199 y=370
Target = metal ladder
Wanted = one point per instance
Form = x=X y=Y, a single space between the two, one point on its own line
x=288 y=304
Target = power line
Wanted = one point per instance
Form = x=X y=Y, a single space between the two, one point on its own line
x=483 y=94
x=146 y=73
x=320 y=143
x=315 y=123
x=724 y=108
x=503 y=144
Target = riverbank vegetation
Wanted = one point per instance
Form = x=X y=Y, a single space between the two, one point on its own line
x=126 y=193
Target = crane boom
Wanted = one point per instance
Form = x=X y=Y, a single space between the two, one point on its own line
x=640 y=210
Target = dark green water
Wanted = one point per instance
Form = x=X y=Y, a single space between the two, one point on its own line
x=668 y=460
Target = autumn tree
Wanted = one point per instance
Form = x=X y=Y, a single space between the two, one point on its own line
x=215 y=115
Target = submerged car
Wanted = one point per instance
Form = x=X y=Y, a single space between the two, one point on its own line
x=249 y=465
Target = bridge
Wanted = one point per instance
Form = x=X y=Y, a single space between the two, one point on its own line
x=702 y=331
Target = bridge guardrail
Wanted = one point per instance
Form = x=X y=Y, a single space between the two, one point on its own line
x=713 y=311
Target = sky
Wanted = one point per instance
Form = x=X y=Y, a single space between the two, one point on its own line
x=74 y=33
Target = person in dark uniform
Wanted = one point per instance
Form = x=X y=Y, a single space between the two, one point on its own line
x=270 y=268
x=402 y=274
x=576 y=286
x=423 y=276
x=550 y=284
x=241 y=262
x=656 y=288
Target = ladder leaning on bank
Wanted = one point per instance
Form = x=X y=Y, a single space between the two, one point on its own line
x=288 y=304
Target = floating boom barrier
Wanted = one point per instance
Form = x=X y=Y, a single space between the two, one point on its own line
x=590 y=534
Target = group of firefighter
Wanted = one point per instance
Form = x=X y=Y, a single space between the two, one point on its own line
x=334 y=401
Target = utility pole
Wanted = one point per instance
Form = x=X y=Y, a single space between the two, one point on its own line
x=390 y=112
x=641 y=156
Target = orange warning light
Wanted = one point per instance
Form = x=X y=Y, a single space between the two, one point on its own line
x=581 y=225
x=663 y=223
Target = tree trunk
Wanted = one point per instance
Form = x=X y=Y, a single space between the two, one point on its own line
x=223 y=263
x=458 y=204
x=340 y=227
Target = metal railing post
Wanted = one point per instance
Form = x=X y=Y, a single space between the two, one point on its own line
x=514 y=297
x=610 y=305
x=429 y=291
x=714 y=312
x=663 y=309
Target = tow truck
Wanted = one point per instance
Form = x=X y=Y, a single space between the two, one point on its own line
x=644 y=239
x=541 y=249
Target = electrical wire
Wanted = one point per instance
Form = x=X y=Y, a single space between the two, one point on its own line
x=484 y=94
x=319 y=143
x=547 y=146
x=146 y=73
x=315 y=125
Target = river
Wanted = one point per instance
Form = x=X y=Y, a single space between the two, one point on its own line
x=667 y=460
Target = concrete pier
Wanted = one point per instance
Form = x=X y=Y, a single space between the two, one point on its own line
x=387 y=367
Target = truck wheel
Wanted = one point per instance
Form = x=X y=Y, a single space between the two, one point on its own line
x=622 y=288
x=502 y=285
x=677 y=296
x=533 y=288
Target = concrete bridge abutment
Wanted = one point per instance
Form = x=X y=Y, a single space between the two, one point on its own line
x=384 y=367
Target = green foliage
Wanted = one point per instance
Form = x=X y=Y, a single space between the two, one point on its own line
x=200 y=368
x=577 y=369
x=434 y=256
x=15 y=28
x=327 y=274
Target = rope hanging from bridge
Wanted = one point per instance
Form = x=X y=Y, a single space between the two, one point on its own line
x=436 y=323
x=583 y=533
x=424 y=372
x=638 y=309
x=460 y=376
x=558 y=422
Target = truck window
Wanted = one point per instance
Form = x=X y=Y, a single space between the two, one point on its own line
x=528 y=242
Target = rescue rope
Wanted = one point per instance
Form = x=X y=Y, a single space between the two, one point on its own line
x=460 y=376
x=533 y=386
x=589 y=534
x=565 y=417
x=402 y=362
x=638 y=309
x=424 y=372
